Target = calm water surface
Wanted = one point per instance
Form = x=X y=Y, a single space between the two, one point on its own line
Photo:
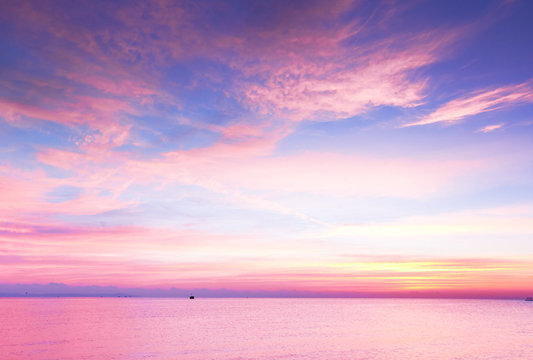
x=129 y=328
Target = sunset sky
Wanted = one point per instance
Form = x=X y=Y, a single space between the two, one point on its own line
x=268 y=147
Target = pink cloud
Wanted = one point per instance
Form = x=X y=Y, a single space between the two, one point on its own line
x=479 y=102
x=341 y=175
x=124 y=256
x=237 y=169
x=128 y=255
x=129 y=85
x=25 y=195
x=99 y=113
x=490 y=128
x=309 y=72
x=345 y=82
x=22 y=193
x=330 y=174
x=227 y=169
x=308 y=69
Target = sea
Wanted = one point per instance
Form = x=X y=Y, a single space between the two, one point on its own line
x=149 y=328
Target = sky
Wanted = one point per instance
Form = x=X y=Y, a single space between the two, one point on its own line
x=269 y=148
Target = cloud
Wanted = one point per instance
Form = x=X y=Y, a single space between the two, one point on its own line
x=321 y=93
x=490 y=128
x=340 y=175
x=308 y=66
x=31 y=194
x=479 y=102
x=347 y=80
x=465 y=223
x=241 y=172
x=101 y=255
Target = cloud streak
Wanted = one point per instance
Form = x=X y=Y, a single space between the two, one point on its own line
x=479 y=102
x=490 y=128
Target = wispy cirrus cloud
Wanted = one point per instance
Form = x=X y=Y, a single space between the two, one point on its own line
x=478 y=102
x=490 y=128
x=347 y=81
x=322 y=68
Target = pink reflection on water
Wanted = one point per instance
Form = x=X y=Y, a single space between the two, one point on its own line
x=112 y=328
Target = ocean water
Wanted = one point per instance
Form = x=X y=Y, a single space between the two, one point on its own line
x=140 y=328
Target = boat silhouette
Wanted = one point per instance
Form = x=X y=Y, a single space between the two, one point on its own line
x=191 y=297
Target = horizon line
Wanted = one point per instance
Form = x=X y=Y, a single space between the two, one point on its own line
x=186 y=297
